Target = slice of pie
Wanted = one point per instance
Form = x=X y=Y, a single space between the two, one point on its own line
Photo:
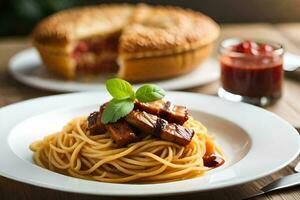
x=138 y=43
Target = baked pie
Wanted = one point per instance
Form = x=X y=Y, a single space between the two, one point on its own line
x=138 y=43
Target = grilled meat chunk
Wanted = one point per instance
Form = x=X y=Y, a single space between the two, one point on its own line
x=121 y=133
x=173 y=113
x=152 y=107
x=176 y=133
x=166 y=110
x=94 y=124
x=142 y=121
x=94 y=121
x=154 y=125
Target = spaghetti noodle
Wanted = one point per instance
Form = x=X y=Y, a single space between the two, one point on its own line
x=75 y=152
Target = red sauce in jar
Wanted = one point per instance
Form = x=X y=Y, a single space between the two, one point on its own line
x=254 y=72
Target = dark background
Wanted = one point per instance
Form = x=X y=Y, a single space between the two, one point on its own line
x=17 y=17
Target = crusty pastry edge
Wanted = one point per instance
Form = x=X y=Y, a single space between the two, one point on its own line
x=162 y=67
x=134 y=69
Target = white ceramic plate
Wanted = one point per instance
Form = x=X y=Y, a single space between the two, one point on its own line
x=27 y=67
x=255 y=142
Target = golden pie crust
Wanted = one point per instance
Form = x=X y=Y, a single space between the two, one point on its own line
x=156 y=42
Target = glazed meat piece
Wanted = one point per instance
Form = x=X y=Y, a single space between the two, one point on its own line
x=154 y=125
x=175 y=133
x=121 y=133
x=165 y=110
x=173 y=113
x=152 y=107
x=94 y=124
x=94 y=121
x=142 y=121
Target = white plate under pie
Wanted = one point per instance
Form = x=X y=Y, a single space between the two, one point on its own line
x=255 y=142
x=26 y=67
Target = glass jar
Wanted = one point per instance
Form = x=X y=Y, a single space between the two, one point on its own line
x=251 y=71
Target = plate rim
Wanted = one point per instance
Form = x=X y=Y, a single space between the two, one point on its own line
x=63 y=86
x=240 y=181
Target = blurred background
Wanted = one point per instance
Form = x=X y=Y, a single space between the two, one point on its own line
x=17 y=17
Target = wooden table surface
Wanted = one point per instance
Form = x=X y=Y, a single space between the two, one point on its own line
x=288 y=108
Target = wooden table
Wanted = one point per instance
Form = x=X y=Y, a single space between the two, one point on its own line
x=288 y=107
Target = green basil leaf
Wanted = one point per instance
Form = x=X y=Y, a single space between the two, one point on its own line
x=119 y=89
x=149 y=93
x=116 y=109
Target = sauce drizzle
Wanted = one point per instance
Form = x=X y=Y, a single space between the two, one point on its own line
x=213 y=161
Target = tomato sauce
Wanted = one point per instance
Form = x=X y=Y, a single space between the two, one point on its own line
x=252 y=69
x=213 y=161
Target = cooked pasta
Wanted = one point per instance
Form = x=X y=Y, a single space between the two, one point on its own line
x=75 y=152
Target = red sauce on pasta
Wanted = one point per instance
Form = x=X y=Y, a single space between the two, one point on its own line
x=213 y=161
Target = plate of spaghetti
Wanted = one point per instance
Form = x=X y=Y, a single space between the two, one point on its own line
x=141 y=143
